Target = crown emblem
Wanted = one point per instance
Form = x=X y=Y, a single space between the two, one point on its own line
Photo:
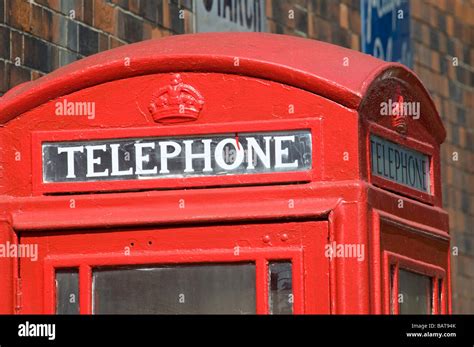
x=177 y=102
x=399 y=121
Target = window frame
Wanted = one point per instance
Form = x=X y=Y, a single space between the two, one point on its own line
x=302 y=243
x=397 y=261
x=261 y=258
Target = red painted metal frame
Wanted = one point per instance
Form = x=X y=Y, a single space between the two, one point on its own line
x=380 y=272
x=260 y=257
x=10 y=280
x=382 y=260
x=222 y=205
x=313 y=124
x=411 y=143
x=349 y=278
x=260 y=55
x=399 y=262
x=303 y=249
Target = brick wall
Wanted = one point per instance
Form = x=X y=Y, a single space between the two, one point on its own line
x=38 y=36
x=443 y=39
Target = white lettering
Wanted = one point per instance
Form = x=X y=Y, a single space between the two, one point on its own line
x=140 y=158
x=91 y=161
x=264 y=157
x=206 y=155
x=164 y=155
x=239 y=157
x=279 y=152
x=115 y=163
x=70 y=158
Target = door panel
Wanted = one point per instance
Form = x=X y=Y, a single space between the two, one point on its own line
x=246 y=268
x=415 y=269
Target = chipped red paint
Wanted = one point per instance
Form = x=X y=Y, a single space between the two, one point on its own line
x=336 y=201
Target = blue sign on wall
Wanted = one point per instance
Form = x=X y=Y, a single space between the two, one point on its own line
x=386 y=30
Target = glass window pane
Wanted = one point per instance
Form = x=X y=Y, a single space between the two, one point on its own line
x=210 y=288
x=67 y=291
x=415 y=293
x=281 y=290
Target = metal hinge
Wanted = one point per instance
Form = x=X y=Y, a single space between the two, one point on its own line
x=18 y=296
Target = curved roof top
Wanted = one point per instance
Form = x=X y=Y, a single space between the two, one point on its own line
x=308 y=64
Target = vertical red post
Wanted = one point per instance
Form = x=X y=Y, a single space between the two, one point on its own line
x=7 y=267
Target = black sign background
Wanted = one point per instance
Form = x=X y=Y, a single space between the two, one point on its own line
x=55 y=165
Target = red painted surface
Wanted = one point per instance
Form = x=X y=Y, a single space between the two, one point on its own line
x=259 y=243
x=337 y=200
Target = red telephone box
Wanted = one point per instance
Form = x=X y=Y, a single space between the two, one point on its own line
x=223 y=173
